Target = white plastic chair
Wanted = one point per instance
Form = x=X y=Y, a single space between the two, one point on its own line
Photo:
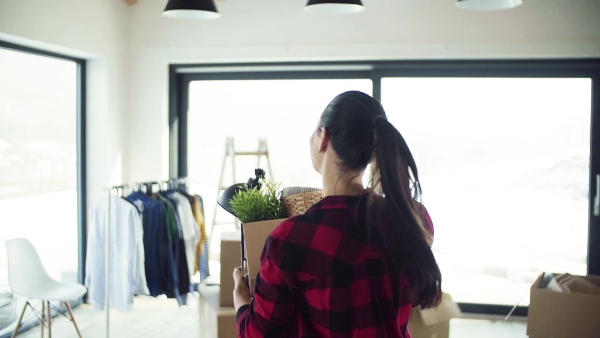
x=28 y=278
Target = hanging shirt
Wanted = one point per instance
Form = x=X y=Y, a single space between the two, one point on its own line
x=126 y=255
x=200 y=220
x=142 y=284
x=204 y=254
x=189 y=228
x=182 y=281
x=203 y=263
x=159 y=260
x=198 y=212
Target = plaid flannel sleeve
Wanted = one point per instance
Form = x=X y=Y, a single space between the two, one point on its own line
x=274 y=303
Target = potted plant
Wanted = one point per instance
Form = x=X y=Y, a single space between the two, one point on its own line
x=262 y=204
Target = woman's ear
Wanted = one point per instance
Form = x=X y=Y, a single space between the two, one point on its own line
x=324 y=140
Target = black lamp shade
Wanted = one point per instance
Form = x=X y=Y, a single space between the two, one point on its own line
x=334 y=6
x=225 y=198
x=191 y=9
x=253 y=183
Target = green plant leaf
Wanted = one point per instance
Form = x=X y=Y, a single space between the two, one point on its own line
x=255 y=205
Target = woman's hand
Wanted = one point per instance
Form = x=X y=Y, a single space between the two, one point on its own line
x=241 y=289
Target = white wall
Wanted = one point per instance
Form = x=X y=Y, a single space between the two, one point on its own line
x=129 y=49
x=96 y=30
x=269 y=30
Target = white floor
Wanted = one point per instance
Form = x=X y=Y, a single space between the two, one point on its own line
x=487 y=328
x=161 y=317
x=150 y=317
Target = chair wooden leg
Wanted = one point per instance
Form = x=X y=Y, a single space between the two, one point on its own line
x=16 y=331
x=72 y=318
x=42 y=324
x=49 y=320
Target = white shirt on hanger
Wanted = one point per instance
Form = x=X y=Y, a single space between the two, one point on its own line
x=189 y=229
x=126 y=254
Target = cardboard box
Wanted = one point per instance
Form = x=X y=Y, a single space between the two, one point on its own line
x=230 y=259
x=215 y=320
x=563 y=314
x=433 y=323
x=255 y=235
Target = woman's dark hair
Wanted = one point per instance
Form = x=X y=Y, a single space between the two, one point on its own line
x=361 y=134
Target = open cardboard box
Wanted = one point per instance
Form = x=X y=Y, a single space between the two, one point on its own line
x=556 y=313
x=433 y=323
x=254 y=236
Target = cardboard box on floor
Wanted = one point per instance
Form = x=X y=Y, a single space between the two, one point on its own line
x=215 y=320
x=563 y=314
x=230 y=259
x=255 y=235
x=433 y=323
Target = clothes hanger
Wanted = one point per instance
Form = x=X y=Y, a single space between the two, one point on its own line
x=137 y=187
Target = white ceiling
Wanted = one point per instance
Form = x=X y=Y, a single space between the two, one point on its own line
x=267 y=22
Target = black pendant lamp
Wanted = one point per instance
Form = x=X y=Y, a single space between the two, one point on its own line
x=334 y=6
x=191 y=9
x=487 y=5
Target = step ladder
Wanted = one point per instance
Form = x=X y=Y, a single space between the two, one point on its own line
x=230 y=156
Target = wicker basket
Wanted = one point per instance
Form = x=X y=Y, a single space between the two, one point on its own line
x=297 y=204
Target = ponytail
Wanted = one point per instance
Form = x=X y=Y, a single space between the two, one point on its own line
x=359 y=131
x=406 y=239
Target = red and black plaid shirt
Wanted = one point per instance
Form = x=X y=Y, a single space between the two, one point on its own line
x=322 y=276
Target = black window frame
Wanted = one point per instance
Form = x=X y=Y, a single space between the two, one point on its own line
x=80 y=144
x=181 y=75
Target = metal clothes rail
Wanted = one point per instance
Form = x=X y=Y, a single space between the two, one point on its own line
x=114 y=190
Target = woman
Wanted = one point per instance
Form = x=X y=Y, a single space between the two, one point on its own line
x=356 y=262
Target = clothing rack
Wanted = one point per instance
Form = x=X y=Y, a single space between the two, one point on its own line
x=171 y=183
x=148 y=186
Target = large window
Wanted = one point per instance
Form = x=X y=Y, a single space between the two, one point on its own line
x=40 y=185
x=505 y=177
x=507 y=152
x=246 y=111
